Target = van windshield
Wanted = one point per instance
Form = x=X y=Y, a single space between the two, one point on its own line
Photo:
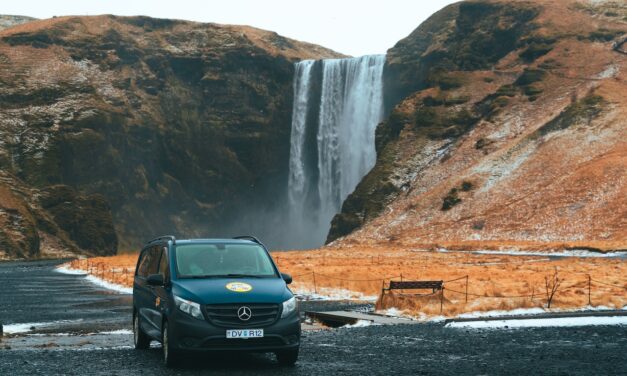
x=223 y=260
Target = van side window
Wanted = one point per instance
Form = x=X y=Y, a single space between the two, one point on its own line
x=143 y=263
x=163 y=264
x=149 y=262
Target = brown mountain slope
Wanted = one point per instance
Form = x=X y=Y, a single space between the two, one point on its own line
x=7 y=21
x=512 y=131
x=178 y=125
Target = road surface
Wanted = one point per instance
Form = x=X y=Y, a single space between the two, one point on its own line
x=91 y=336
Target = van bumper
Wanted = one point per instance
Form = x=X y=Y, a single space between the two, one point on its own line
x=190 y=334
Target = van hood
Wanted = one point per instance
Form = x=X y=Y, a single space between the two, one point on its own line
x=215 y=291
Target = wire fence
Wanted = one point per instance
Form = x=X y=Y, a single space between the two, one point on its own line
x=462 y=287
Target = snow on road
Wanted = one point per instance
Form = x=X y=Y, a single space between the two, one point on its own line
x=539 y=323
x=30 y=326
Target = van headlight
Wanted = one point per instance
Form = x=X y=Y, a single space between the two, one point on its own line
x=289 y=306
x=189 y=307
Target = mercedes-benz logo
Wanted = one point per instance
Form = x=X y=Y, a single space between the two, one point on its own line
x=244 y=313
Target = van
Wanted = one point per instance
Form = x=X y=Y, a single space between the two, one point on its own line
x=213 y=295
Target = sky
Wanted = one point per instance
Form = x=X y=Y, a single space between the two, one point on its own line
x=351 y=27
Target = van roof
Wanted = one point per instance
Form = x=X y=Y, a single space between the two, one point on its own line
x=213 y=240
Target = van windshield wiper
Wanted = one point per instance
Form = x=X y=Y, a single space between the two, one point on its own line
x=232 y=275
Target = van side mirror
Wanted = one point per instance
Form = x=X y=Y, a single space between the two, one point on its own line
x=287 y=278
x=155 y=280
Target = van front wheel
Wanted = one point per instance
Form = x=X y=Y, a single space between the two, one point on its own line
x=287 y=357
x=170 y=357
x=140 y=339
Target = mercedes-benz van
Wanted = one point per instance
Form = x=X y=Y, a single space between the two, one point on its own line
x=213 y=294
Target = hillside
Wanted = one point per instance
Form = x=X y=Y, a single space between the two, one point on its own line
x=7 y=21
x=507 y=128
x=176 y=125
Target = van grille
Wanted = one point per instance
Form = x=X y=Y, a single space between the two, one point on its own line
x=225 y=315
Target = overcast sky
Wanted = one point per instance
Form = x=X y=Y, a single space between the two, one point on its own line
x=352 y=27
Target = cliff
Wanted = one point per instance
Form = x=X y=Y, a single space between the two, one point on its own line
x=507 y=127
x=177 y=126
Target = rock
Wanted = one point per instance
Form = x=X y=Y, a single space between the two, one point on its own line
x=181 y=127
x=85 y=218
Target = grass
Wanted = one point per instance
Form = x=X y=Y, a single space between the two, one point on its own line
x=362 y=270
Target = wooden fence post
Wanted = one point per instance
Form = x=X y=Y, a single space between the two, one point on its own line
x=589 y=289
x=314 y=281
x=466 y=288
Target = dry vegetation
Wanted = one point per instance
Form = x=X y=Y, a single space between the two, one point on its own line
x=496 y=282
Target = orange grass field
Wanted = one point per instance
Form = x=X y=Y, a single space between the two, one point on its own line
x=495 y=282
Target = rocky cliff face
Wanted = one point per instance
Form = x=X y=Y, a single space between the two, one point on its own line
x=509 y=127
x=177 y=125
x=53 y=222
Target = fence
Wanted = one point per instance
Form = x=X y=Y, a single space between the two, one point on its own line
x=455 y=292
x=546 y=294
x=118 y=275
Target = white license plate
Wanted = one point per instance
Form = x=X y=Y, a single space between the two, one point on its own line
x=244 y=333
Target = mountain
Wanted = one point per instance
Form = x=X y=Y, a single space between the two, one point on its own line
x=162 y=125
x=507 y=127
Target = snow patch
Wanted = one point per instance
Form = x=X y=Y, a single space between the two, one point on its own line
x=569 y=253
x=539 y=323
x=95 y=280
x=117 y=332
x=397 y=313
x=518 y=311
x=30 y=326
x=65 y=270
x=109 y=286
x=325 y=293
x=504 y=167
x=361 y=324
x=611 y=71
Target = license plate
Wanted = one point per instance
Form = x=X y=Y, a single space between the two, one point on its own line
x=244 y=333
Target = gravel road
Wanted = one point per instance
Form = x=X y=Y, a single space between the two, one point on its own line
x=33 y=292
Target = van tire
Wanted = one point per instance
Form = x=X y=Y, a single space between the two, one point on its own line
x=140 y=339
x=170 y=357
x=287 y=357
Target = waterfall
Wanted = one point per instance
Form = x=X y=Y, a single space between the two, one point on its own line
x=296 y=182
x=337 y=106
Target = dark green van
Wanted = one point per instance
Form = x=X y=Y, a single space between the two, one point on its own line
x=213 y=295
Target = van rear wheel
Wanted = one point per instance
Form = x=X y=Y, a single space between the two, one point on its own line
x=287 y=357
x=140 y=339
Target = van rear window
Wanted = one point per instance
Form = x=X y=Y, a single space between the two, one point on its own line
x=223 y=260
